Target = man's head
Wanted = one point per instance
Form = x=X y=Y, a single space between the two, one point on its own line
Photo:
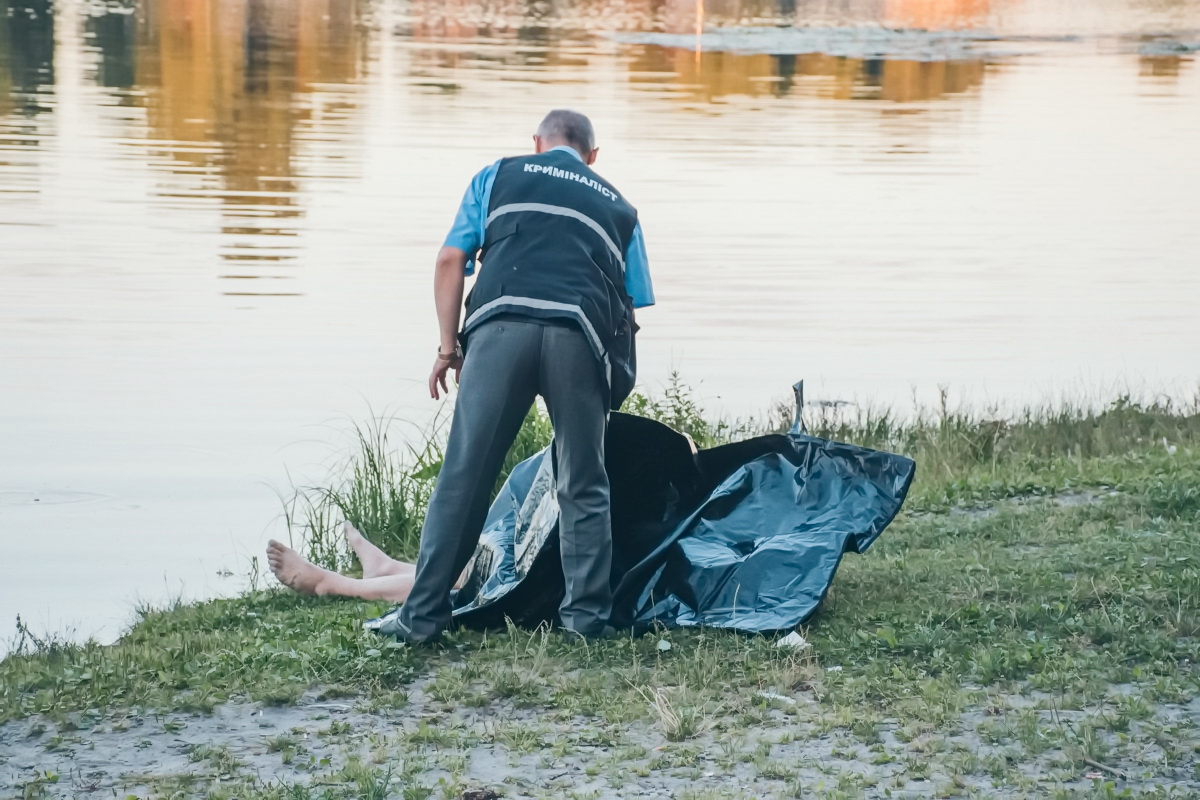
x=563 y=126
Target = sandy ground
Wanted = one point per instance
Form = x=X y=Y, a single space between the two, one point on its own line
x=429 y=744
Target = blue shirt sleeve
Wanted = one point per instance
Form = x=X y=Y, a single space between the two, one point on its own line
x=637 y=271
x=467 y=231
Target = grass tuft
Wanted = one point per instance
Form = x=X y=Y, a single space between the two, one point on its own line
x=383 y=489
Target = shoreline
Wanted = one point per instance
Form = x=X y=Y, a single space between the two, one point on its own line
x=1029 y=625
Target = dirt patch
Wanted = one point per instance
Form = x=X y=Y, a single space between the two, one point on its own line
x=426 y=748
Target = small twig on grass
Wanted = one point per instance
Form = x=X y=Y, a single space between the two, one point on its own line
x=1098 y=765
x=331 y=706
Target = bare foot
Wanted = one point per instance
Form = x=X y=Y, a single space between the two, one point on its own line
x=294 y=571
x=374 y=561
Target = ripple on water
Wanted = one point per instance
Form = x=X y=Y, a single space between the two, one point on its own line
x=49 y=498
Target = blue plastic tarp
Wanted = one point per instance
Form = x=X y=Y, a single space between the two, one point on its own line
x=746 y=536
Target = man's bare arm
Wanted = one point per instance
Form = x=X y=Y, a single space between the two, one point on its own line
x=448 y=279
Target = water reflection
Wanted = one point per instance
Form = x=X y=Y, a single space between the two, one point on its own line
x=226 y=89
x=1164 y=66
x=26 y=55
x=540 y=37
x=708 y=77
x=114 y=35
x=913 y=81
x=232 y=91
x=250 y=105
x=26 y=79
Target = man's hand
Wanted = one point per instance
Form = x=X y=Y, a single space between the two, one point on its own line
x=448 y=278
x=438 y=377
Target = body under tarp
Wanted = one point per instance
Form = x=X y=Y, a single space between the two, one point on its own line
x=745 y=536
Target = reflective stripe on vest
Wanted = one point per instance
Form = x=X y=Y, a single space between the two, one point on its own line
x=510 y=302
x=562 y=211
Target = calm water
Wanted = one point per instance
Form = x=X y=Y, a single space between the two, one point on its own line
x=218 y=219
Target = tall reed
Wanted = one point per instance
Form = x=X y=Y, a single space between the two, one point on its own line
x=383 y=489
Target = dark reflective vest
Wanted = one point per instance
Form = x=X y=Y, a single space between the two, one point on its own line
x=554 y=248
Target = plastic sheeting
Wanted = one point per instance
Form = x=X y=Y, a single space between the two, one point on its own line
x=745 y=536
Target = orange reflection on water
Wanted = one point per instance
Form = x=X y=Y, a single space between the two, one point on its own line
x=705 y=77
x=1167 y=66
x=225 y=82
x=712 y=76
x=915 y=81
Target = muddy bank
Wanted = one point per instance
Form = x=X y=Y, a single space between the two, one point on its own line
x=428 y=746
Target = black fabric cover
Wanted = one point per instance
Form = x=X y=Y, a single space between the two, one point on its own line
x=745 y=536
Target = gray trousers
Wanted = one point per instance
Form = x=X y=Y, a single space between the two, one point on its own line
x=508 y=363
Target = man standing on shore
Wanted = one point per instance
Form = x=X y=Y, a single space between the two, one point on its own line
x=562 y=265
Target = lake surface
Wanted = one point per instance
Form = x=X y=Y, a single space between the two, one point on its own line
x=218 y=220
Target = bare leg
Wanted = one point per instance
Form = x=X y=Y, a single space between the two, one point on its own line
x=295 y=572
x=378 y=564
x=375 y=562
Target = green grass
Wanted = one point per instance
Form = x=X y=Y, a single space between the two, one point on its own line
x=383 y=490
x=1035 y=611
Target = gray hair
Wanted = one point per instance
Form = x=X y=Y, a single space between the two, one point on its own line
x=569 y=127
